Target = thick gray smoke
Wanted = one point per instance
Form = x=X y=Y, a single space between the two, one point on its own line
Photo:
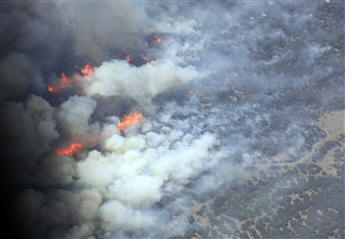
x=208 y=78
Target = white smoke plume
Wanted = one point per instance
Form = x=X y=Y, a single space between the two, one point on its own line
x=122 y=180
x=74 y=115
x=120 y=78
x=209 y=111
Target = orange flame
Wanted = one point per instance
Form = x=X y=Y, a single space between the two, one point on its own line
x=128 y=58
x=64 y=79
x=158 y=39
x=51 y=89
x=69 y=151
x=88 y=69
x=146 y=59
x=55 y=87
x=128 y=120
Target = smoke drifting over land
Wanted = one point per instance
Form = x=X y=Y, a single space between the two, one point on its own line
x=220 y=86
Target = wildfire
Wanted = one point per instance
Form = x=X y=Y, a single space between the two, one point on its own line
x=88 y=69
x=71 y=150
x=158 y=39
x=64 y=81
x=146 y=60
x=128 y=58
x=51 y=89
x=128 y=120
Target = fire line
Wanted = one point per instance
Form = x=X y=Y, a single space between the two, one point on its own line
x=71 y=150
x=129 y=120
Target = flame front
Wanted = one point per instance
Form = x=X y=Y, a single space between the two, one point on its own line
x=71 y=150
x=158 y=39
x=128 y=58
x=88 y=69
x=64 y=81
x=146 y=60
x=128 y=120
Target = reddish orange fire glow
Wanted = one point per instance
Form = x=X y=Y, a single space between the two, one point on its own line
x=62 y=83
x=128 y=120
x=146 y=60
x=158 y=39
x=71 y=150
x=51 y=89
x=64 y=78
x=128 y=58
x=88 y=69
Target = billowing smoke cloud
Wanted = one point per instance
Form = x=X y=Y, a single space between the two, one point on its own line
x=220 y=91
x=74 y=115
x=120 y=78
x=18 y=66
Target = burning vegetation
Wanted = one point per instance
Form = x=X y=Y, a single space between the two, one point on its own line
x=129 y=120
x=71 y=150
x=158 y=39
x=88 y=69
x=230 y=121
x=59 y=85
x=65 y=81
